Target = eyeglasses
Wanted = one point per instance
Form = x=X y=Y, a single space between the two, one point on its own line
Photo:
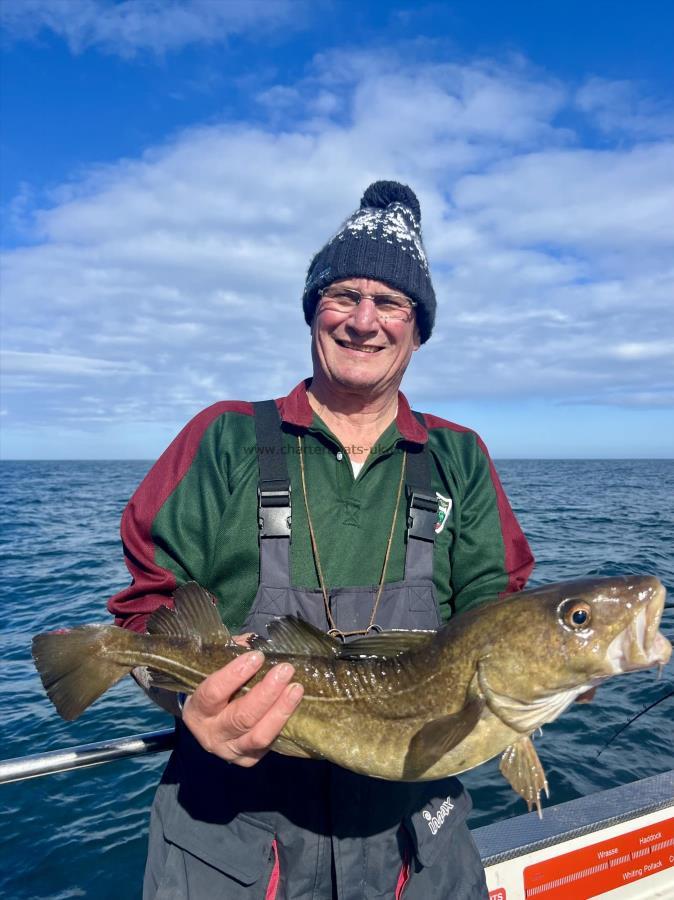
x=396 y=307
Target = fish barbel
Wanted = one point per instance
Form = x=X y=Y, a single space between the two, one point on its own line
x=409 y=706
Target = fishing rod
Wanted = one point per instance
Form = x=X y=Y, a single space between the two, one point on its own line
x=22 y=767
x=633 y=719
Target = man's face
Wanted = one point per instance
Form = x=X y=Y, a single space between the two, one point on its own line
x=357 y=351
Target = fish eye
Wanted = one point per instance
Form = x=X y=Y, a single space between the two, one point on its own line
x=576 y=614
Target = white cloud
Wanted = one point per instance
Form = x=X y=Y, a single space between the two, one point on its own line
x=611 y=199
x=126 y=27
x=180 y=273
x=619 y=106
x=643 y=350
x=62 y=364
x=465 y=102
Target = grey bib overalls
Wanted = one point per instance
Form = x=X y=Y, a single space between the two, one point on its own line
x=293 y=829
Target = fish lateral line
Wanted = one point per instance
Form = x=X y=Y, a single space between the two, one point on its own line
x=367 y=686
x=168 y=666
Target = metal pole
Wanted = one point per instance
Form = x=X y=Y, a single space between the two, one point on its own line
x=23 y=767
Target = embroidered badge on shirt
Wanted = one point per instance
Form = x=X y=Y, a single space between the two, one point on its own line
x=444 y=507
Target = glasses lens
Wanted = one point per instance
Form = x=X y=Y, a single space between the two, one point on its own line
x=392 y=306
x=388 y=306
x=341 y=299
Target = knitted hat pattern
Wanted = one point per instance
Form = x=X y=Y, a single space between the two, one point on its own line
x=382 y=241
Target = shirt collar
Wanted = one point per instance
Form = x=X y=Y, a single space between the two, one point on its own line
x=296 y=410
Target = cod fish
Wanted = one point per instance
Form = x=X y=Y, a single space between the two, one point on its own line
x=408 y=706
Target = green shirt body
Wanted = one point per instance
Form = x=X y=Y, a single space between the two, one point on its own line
x=194 y=517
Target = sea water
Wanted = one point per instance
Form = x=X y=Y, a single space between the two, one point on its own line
x=83 y=833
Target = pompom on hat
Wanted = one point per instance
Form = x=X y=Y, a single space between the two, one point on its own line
x=382 y=241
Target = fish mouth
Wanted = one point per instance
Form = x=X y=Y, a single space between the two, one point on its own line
x=641 y=645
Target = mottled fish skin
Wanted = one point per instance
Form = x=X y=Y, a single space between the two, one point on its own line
x=515 y=656
x=431 y=706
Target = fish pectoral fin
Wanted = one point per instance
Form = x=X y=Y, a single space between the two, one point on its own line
x=522 y=768
x=524 y=715
x=385 y=644
x=438 y=737
x=288 y=634
x=194 y=614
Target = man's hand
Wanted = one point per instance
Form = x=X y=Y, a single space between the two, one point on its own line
x=242 y=730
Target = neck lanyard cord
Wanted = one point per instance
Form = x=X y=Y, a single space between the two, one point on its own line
x=334 y=631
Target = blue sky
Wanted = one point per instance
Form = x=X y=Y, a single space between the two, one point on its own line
x=169 y=168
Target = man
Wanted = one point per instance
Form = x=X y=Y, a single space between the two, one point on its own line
x=340 y=505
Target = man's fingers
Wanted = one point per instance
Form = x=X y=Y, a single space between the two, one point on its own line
x=246 y=711
x=216 y=690
x=255 y=742
x=242 y=730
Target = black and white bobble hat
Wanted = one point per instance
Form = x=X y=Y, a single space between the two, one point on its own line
x=381 y=240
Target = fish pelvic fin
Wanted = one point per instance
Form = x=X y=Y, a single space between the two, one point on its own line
x=194 y=615
x=76 y=667
x=522 y=768
x=438 y=737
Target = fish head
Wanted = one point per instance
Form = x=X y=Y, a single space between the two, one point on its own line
x=566 y=637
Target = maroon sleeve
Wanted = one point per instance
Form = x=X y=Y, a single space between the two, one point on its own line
x=152 y=584
x=519 y=560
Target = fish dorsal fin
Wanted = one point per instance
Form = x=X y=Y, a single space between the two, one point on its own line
x=194 y=615
x=164 y=621
x=385 y=644
x=291 y=635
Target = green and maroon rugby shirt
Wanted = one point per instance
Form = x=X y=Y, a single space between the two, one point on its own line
x=194 y=517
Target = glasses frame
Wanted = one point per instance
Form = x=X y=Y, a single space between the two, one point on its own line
x=412 y=304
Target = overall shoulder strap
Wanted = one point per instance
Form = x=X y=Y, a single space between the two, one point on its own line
x=422 y=512
x=423 y=504
x=271 y=460
x=273 y=496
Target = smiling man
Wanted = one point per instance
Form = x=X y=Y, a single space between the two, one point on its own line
x=340 y=505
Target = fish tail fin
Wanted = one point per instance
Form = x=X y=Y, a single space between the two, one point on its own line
x=79 y=665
